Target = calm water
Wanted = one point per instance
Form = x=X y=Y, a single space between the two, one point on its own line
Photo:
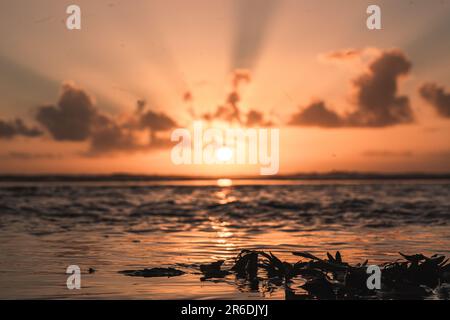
x=45 y=227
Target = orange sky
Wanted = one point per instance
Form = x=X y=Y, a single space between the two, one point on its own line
x=157 y=51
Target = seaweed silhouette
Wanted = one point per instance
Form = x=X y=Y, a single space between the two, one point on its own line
x=331 y=278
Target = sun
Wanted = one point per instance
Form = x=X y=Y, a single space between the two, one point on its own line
x=224 y=182
x=224 y=154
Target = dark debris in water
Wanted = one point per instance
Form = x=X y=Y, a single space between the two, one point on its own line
x=154 y=272
x=213 y=270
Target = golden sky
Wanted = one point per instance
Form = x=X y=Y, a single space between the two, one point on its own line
x=343 y=97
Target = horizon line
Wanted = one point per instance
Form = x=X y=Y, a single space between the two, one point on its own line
x=332 y=175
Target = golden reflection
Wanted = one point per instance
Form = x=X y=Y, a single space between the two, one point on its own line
x=224 y=195
x=224 y=183
x=223 y=237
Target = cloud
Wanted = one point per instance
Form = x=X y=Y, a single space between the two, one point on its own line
x=11 y=129
x=316 y=114
x=73 y=116
x=240 y=76
x=437 y=97
x=111 y=136
x=376 y=93
x=156 y=121
x=375 y=97
x=76 y=118
x=256 y=119
x=230 y=111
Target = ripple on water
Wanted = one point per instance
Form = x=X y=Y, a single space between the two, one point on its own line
x=45 y=228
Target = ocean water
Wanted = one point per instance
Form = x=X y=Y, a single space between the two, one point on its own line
x=114 y=226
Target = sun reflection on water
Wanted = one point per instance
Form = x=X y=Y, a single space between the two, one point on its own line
x=224 y=183
x=224 y=195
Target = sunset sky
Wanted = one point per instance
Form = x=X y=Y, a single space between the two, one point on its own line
x=343 y=97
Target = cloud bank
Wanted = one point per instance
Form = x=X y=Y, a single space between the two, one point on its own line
x=375 y=95
x=76 y=118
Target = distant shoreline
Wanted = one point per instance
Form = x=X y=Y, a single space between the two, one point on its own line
x=144 y=178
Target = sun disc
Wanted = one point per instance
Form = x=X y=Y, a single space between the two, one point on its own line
x=224 y=154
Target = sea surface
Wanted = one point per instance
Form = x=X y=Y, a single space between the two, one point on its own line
x=112 y=226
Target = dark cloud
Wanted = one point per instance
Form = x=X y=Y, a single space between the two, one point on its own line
x=240 y=76
x=140 y=106
x=230 y=111
x=256 y=119
x=316 y=114
x=437 y=97
x=11 y=129
x=375 y=95
x=156 y=121
x=111 y=136
x=73 y=116
x=148 y=119
x=76 y=118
